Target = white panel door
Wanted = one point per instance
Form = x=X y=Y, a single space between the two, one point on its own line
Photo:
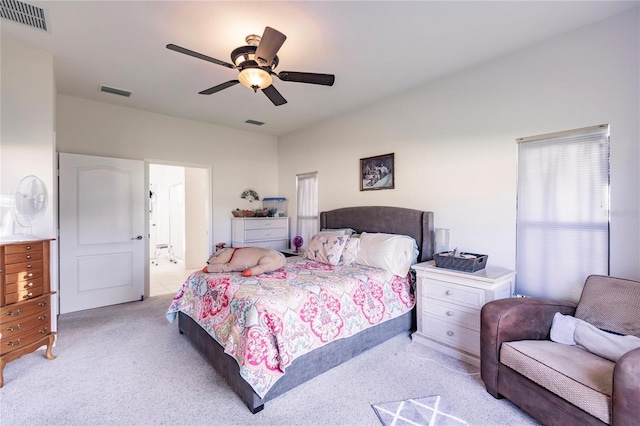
x=102 y=243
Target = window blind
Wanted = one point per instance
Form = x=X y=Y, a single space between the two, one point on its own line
x=562 y=230
x=307 y=206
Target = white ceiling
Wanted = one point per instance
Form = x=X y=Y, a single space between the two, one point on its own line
x=375 y=49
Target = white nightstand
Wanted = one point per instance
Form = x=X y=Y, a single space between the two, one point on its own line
x=291 y=252
x=448 y=307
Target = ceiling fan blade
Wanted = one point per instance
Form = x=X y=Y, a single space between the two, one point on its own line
x=270 y=42
x=274 y=96
x=307 y=77
x=199 y=55
x=219 y=87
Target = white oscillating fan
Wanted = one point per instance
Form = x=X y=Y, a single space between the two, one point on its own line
x=27 y=206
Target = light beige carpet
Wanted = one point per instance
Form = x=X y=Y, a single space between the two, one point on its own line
x=126 y=365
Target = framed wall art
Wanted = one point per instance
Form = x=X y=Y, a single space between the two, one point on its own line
x=377 y=172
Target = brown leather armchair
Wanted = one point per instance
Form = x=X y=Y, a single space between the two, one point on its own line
x=559 y=384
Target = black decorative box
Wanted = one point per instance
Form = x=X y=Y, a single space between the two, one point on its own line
x=461 y=263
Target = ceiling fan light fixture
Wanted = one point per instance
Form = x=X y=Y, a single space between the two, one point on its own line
x=255 y=78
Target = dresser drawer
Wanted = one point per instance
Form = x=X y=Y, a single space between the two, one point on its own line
x=22 y=295
x=16 y=268
x=452 y=314
x=28 y=256
x=23 y=285
x=24 y=339
x=454 y=335
x=23 y=276
x=23 y=309
x=453 y=293
x=266 y=223
x=22 y=325
x=22 y=248
x=265 y=234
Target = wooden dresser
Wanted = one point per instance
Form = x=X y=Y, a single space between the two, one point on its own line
x=25 y=300
x=449 y=303
x=269 y=232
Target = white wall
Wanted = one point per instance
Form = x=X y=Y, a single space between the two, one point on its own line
x=197 y=251
x=27 y=144
x=239 y=159
x=454 y=139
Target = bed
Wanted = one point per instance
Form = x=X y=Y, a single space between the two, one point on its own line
x=281 y=371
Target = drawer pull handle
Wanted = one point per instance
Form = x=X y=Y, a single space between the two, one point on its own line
x=29 y=266
x=450 y=333
x=28 y=257
x=448 y=292
x=43 y=303
x=14 y=314
x=42 y=317
x=18 y=327
x=449 y=313
x=29 y=285
x=30 y=274
x=29 y=295
x=44 y=330
x=16 y=343
x=28 y=247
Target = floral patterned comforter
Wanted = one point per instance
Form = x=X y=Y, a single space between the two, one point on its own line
x=267 y=321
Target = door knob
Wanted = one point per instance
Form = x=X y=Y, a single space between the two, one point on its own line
x=139 y=237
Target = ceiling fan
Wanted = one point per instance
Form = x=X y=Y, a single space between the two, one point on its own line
x=255 y=63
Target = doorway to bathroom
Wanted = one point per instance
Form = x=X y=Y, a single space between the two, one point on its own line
x=179 y=218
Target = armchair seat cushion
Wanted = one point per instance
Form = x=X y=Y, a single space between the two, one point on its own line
x=572 y=373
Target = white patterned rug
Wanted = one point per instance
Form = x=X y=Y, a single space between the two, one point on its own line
x=431 y=411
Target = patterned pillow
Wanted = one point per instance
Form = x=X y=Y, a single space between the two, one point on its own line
x=326 y=248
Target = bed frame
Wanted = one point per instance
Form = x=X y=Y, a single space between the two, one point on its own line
x=394 y=220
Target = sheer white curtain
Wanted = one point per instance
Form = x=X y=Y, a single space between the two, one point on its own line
x=562 y=229
x=307 y=204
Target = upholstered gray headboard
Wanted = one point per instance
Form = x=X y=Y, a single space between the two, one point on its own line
x=392 y=220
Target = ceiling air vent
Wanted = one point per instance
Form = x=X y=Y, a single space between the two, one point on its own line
x=23 y=13
x=257 y=123
x=113 y=91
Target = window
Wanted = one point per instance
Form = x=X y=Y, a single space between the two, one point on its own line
x=307 y=220
x=562 y=231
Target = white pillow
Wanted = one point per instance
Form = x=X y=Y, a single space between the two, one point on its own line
x=338 y=231
x=326 y=248
x=569 y=330
x=391 y=252
x=562 y=328
x=607 y=345
x=350 y=253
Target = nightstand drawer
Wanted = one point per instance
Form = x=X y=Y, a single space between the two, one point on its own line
x=454 y=293
x=453 y=335
x=453 y=314
x=266 y=224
